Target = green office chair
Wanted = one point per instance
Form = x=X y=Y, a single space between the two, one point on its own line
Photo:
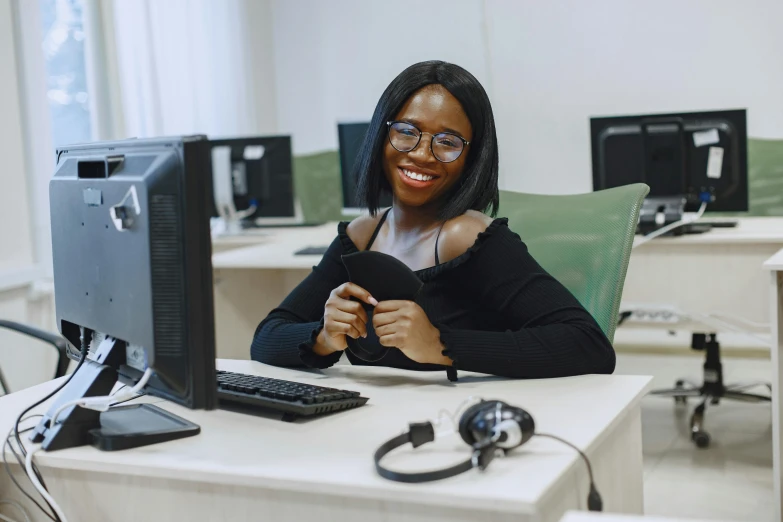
x=583 y=240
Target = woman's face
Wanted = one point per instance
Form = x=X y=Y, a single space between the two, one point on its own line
x=432 y=110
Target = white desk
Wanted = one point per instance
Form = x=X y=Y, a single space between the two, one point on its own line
x=702 y=274
x=774 y=267
x=245 y=467
x=712 y=273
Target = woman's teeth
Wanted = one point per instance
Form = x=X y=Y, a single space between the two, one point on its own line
x=417 y=176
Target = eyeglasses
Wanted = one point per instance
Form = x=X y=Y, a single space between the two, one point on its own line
x=446 y=147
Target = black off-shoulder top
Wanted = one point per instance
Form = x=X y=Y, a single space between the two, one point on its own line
x=498 y=312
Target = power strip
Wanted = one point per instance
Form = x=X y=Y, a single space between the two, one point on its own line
x=652 y=314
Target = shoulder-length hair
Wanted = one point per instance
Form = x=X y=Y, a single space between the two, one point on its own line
x=478 y=186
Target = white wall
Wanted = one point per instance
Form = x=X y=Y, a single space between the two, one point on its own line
x=555 y=64
x=333 y=59
x=548 y=67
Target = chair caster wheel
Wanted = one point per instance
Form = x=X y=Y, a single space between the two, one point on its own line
x=679 y=384
x=701 y=439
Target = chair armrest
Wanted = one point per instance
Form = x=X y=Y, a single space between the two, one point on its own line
x=59 y=343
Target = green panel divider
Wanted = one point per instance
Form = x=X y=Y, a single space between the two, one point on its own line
x=317 y=182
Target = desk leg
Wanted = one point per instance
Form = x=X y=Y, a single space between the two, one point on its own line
x=776 y=307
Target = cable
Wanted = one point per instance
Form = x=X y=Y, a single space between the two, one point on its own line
x=747 y=322
x=18 y=506
x=594 y=502
x=20 y=461
x=127 y=400
x=103 y=403
x=6 y=519
x=672 y=226
x=41 y=489
x=8 y=443
x=717 y=323
x=85 y=348
x=85 y=336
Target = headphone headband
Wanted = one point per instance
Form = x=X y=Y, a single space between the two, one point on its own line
x=422 y=433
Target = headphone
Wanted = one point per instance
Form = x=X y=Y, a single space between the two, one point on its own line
x=490 y=427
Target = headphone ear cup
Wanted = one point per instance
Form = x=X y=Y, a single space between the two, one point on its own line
x=466 y=421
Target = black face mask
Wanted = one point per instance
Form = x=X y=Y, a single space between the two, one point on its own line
x=387 y=279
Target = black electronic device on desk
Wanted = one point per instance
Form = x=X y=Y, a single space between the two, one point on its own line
x=133 y=288
x=693 y=163
x=131 y=253
x=351 y=138
x=293 y=399
x=253 y=182
x=317 y=250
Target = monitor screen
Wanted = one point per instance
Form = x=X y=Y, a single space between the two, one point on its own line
x=351 y=138
x=261 y=171
x=696 y=155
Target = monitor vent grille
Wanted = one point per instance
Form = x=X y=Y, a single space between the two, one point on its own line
x=167 y=276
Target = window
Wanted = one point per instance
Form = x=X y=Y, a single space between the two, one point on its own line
x=63 y=48
x=53 y=56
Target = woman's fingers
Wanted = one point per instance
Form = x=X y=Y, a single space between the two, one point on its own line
x=386 y=329
x=360 y=325
x=347 y=290
x=351 y=307
x=336 y=328
x=390 y=341
x=379 y=320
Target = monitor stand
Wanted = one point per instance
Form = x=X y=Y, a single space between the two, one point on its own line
x=118 y=428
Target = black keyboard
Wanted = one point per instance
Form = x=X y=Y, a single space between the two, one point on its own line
x=293 y=399
x=312 y=251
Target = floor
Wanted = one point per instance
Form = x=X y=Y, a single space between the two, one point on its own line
x=730 y=480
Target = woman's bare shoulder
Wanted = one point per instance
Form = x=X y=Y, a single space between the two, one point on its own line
x=360 y=229
x=460 y=233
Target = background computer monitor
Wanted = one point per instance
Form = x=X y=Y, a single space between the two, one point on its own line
x=699 y=155
x=256 y=174
x=131 y=252
x=351 y=137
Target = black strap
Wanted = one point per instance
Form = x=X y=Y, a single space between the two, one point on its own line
x=421 y=433
x=377 y=229
x=437 y=238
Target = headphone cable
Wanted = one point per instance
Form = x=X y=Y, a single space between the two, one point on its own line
x=594 y=502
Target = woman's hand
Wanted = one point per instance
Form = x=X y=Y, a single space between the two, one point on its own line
x=404 y=325
x=343 y=317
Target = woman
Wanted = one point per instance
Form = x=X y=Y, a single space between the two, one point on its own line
x=486 y=304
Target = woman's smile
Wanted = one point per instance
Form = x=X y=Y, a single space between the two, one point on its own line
x=416 y=177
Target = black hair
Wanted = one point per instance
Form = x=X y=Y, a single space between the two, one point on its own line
x=478 y=186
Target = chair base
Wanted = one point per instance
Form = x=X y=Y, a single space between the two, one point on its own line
x=712 y=389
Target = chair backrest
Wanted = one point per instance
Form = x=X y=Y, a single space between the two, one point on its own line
x=583 y=240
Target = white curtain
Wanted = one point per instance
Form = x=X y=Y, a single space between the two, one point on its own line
x=184 y=67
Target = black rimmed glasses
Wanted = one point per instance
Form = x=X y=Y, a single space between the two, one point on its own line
x=446 y=147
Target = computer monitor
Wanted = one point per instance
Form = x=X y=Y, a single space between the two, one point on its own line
x=700 y=156
x=131 y=253
x=253 y=181
x=351 y=138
